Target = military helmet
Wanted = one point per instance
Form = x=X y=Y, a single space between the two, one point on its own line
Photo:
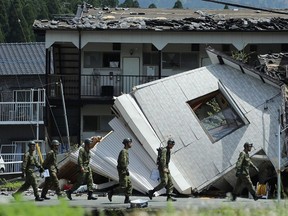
x=126 y=141
x=87 y=141
x=247 y=144
x=171 y=141
x=31 y=143
x=55 y=143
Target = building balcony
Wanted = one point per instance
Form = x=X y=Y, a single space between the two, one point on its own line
x=12 y=113
x=95 y=86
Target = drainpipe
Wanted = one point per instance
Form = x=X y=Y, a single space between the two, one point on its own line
x=79 y=93
x=160 y=63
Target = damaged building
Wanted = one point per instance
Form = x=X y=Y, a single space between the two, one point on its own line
x=210 y=112
x=146 y=74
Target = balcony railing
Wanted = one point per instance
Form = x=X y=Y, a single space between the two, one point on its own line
x=21 y=112
x=95 y=85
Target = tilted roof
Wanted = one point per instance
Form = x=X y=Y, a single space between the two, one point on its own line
x=22 y=58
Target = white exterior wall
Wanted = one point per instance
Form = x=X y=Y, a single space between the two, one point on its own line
x=163 y=102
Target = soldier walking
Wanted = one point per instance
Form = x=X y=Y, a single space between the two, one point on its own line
x=164 y=172
x=29 y=164
x=50 y=163
x=84 y=168
x=123 y=172
x=242 y=173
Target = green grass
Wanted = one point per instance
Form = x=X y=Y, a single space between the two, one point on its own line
x=10 y=186
x=24 y=208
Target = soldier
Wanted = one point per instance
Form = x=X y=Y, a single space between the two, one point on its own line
x=50 y=163
x=29 y=164
x=163 y=167
x=84 y=168
x=242 y=173
x=123 y=172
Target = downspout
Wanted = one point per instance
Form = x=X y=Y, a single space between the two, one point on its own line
x=160 y=64
x=47 y=72
x=79 y=90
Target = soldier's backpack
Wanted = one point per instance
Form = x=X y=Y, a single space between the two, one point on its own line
x=159 y=155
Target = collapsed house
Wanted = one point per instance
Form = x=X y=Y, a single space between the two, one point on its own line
x=210 y=112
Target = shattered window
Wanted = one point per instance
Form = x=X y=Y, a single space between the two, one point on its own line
x=216 y=115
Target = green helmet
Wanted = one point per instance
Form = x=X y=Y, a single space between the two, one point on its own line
x=55 y=143
x=31 y=143
x=126 y=141
x=87 y=141
x=247 y=144
x=171 y=141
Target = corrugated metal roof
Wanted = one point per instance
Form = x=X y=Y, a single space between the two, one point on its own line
x=22 y=58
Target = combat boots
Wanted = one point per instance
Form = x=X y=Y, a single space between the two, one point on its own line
x=69 y=193
x=38 y=199
x=127 y=200
x=110 y=194
x=90 y=196
x=171 y=199
x=150 y=194
x=255 y=197
x=234 y=197
x=45 y=197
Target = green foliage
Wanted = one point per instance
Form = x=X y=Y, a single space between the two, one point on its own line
x=152 y=6
x=226 y=7
x=178 y=5
x=30 y=208
x=240 y=56
x=130 y=4
x=10 y=186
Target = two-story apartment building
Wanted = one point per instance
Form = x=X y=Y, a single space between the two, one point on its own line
x=22 y=98
x=101 y=53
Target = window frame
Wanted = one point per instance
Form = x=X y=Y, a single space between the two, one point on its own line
x=239 y=121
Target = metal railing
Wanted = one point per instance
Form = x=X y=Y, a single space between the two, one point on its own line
x=13 y=162
x=25 y=112
x=95 y=85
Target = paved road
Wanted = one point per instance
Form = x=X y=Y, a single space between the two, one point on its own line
x=156 y=203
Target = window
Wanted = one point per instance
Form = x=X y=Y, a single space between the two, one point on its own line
x=179 y=60
x=96 y=123
x=216 y=115
x=151 y=58
x=100 y=59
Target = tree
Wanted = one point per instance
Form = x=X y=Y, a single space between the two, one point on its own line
x=20 y=31
x=226 y=7
x=152 y=6
x=178 y=4
x=4 y=24
x=109 y=3
x=130 y=4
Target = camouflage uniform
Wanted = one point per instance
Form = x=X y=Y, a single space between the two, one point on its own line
x=165 y=177
x=86 y=175
x=123 y=172
x=164 y=172
x=28 y=168
x=50 y=163
x=85 y=172
x=243 y=175
x=125 y=183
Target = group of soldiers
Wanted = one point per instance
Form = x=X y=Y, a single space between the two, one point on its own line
x=30 y=162
x=85 y=173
